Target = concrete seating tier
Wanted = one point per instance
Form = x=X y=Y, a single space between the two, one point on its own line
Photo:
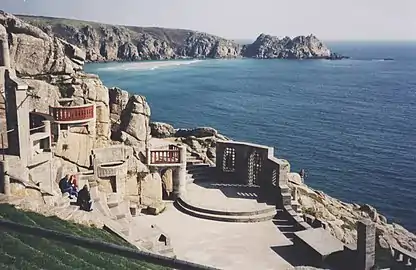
x=270 y=210
x=225 y=202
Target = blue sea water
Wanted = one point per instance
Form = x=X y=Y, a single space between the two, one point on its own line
x=351 y=124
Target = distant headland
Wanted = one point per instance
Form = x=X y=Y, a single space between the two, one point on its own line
x=104 y=42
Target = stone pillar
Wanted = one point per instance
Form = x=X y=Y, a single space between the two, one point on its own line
x=47 y=129
x=4 y=48
x=366 y=244
x=179 y=180
x=4 y=168
x=148 y=157
x=23 y=124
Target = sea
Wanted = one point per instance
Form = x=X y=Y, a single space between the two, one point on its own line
x=351 y=124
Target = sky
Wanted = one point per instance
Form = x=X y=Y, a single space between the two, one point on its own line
x=243 y=19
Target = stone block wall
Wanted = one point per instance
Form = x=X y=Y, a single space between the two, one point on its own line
x=253 y=164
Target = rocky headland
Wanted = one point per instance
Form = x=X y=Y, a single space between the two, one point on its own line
x=52 y=67
x=103 y=42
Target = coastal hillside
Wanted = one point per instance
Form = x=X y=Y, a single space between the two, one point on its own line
x=104 y=42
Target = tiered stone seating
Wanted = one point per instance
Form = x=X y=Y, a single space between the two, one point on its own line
x=116 y=217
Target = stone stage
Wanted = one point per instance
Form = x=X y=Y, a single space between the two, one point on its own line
x=224 y=245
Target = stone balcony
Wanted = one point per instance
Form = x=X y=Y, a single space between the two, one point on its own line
x=73 y=114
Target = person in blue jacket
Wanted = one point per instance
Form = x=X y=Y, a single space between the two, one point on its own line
x=66 y=186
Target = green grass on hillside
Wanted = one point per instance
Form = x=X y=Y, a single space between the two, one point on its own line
x=23 y=251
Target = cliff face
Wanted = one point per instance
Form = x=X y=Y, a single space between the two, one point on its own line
x=112 y=43
x=103 y=42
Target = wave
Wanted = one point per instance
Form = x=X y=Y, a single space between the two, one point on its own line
x=146 y=65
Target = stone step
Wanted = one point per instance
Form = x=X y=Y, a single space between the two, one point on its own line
x=68 y=212
x=223 y=218
x=266 y=209
x=194 y=162
x=200 y=173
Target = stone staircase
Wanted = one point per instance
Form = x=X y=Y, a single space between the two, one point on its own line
x=284 y=224
x=192 y=158
x=197 y=170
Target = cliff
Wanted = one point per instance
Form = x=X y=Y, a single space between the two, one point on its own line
x=52 y=69
x=103 y=42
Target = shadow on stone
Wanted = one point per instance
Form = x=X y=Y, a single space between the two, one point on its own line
x=292 y=255
x=238 y=191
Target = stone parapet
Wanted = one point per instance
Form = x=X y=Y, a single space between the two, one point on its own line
x=118 y=168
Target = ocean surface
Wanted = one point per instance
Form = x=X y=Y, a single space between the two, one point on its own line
x=351 y=124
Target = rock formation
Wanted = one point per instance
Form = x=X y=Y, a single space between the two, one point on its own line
x=52 y=68
x=161 y=130
x=104 y=42
x=300 y=47
x=341 y=218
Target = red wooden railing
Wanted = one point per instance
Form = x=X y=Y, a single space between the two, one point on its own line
x=165 y=156
x=68 y=114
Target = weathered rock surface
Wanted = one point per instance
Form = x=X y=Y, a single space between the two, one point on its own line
x=300 y=47
x=196 y=132
x=342 y=217
x=201 y=45
x=161 y=130
x=33 y=52
x=151 y=189
x=104 y=42
x=110 y=43
x=167 y=182
x=118 y=100
x=134 y=123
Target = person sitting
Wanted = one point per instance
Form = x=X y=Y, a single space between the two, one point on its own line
x=84 y=199
x=66 y=186
x=302 y=174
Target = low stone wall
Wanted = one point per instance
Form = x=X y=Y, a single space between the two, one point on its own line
x=253 y=164
x=109 y=154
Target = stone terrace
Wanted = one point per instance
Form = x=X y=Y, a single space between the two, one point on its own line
x=221 y=244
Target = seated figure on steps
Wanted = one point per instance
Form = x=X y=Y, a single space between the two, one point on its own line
x=66 y=186
x=84 y=199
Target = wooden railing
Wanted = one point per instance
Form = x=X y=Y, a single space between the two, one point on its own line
x=75 y=113
x=165 y=156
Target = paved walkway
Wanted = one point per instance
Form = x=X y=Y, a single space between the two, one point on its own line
x=221 y=244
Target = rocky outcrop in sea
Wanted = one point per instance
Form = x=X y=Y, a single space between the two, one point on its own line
x=301 y=47
x=103 y=42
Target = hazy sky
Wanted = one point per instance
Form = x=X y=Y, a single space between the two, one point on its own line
x=243 y=19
